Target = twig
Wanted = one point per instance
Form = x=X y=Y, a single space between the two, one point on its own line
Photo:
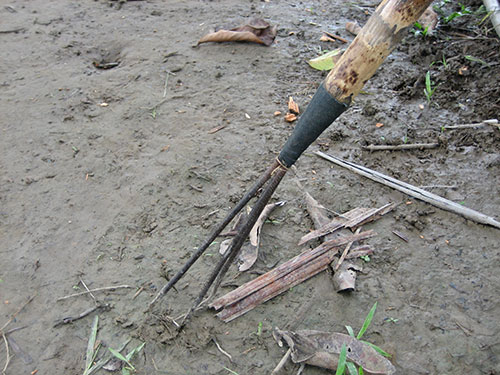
x=492 y=122
x=88 y=290
x=71 y=319
x=138 y=292
x=346 y=250
x=7 y=360
x=414 y=191
x=418 y=146
x=95 y=290
x=282 y=362
x=343 y=40
x=12 y=31
x=13 y=316
x=222 y=350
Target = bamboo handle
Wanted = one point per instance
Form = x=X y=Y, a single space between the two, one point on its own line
x=383 y=31
x=374 y=43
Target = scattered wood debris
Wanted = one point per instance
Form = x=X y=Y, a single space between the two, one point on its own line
x=332 y=37
x=282 y=278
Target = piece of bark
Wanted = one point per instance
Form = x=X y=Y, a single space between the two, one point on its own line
x=415 y=146
x=292 y=106
x=350 y=219
x=284 y=269
x=344 y=279
x=255 y=31
x=322 y=349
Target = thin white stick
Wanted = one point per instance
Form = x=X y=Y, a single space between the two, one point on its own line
x=414 y=191
x=88 y=290
x=281 y=363
x=222 y=350
x=95 y=290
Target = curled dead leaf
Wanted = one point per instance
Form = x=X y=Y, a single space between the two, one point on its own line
x=322 y=349
x=353 y=28
x=255 y=31
x=290 y=117
x=292 y=106
x=277 y=113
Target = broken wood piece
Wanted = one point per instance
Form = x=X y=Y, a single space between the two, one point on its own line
x=292 y=106
x=414 y=191
x=271 y=290
x=492 y=122
x=351 y=219
x=333 y=36
x=284 y=269
x=344 y=278
x=344 y=253
x=322 y=349
x=414 y=146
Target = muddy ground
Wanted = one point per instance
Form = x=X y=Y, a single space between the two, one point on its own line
x=100 y=182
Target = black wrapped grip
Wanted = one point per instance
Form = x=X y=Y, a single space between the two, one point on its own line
x=320 y=113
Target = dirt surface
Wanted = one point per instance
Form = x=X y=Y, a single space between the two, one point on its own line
x=113 y=176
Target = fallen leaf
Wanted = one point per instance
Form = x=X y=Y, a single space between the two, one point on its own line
x=277 y=113
x=292 y=106
x=326 y=61
x=353 y=28
x=379 y=124
x=255 y=31
x=322 y=349
x=249 y=253
x=290 y=117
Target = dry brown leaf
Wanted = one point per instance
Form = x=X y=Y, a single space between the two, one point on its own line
x=292 y=106
x=379 y=124
x=353 y=28
x=290 y=117
x=277 y=113
x=255 y=31
x=322 y=349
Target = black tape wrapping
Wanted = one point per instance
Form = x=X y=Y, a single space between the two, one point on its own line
x=319 y=115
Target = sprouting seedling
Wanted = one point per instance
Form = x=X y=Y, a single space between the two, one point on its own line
x=429 y=90
x=420 y=29
x=476 y=59
x=259 y=329
x=127 y=370
x=349 y=365
x=462 y=12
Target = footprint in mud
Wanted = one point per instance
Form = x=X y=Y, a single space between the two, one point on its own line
x=107 y=56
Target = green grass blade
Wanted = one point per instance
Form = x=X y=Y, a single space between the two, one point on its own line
x=350 y=331
x=120 y=356
x=361 y=371
x=342 y=361
x=231 y=371
x=90 y=346
x=378 y=349
x=106 y=359
x=134 y=351
x=351 y=368
x=367 y=322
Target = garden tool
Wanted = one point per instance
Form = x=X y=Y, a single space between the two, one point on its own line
x=380 y=35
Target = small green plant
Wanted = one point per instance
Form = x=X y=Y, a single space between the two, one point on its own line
x=430 y=88
x=476 y=59
x=129 y=368
x=259 y=329
x=419 y=29
x=343 y=363
x=366 y=258
x=462 y=12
